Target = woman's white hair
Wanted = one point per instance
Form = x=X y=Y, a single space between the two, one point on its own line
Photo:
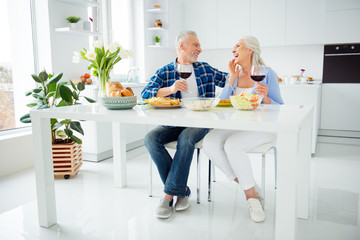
x=182 y=36
x=253 y=44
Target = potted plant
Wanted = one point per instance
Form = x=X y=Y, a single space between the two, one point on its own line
x=53 y=93
x=157 y=40
x=73 y=20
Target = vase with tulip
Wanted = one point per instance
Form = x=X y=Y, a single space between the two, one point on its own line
x=102 y=61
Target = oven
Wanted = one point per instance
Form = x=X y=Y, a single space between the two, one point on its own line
x=340 y=105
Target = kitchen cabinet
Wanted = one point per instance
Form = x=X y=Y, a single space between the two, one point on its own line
x=342 y=22
x=304 y=94
x=233 y=18
x=201 y=17
x=304 y=22
x=267 y=21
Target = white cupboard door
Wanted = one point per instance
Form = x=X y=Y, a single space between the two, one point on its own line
x=200 y=16
x=267 y=21
x=233 y=22
x=342 y=26
x=304 y=22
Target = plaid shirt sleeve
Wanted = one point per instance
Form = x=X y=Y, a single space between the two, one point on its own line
x=164 y=77
x=209 y=77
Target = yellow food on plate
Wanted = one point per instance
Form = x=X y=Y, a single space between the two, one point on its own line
x=224 y=101
x=159 y=101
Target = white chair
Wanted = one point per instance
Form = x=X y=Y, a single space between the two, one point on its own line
x=172 y=145
x=263 y=150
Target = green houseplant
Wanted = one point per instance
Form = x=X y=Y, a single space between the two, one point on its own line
x=157 y=40
x=53 y=93
x=73 y=19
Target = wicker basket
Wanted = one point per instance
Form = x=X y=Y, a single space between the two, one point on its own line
x=67 y=159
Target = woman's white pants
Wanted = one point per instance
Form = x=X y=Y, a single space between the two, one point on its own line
x=228 y=150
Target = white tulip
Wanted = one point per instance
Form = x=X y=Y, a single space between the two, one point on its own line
x=98 y=44
x=114 y=47
x=123 y=53
x=91 y=54
x=76 y=58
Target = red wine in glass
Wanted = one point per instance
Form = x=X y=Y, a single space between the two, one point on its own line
x=185 y=71
x=257 y=73
x=257 y=78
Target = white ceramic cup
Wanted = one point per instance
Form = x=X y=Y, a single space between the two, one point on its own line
x=303 y=79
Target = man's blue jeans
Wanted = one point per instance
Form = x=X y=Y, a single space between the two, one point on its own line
x=174 y=172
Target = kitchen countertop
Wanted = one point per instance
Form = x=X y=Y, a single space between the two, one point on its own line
x=315 y=83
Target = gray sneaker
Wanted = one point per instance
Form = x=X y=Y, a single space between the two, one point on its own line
x=182 y=203
x=164 y=209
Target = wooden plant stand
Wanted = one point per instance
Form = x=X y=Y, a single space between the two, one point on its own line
x=67 y=159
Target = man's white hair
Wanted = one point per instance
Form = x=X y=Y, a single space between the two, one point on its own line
x=182 y=36
x=253 y=44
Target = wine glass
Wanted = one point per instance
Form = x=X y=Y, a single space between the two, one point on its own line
x=184 y=71
x=257 y=73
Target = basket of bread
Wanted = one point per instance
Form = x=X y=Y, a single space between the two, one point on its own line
x=118 y=97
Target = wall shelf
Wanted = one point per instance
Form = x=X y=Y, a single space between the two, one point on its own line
x=83 y=3
x=155 y=10
x=76 y=31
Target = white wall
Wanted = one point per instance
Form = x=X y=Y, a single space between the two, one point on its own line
x=16 y=153
x=286 y=60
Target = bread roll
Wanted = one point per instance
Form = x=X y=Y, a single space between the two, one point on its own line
x=129 y=88
x=126 y=93
x=113 y=86
x=116 y=93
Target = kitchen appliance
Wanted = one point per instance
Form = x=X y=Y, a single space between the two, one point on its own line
x=340 y=105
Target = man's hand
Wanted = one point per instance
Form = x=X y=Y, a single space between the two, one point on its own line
x=179 y=85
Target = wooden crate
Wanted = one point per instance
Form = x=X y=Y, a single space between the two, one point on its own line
x=67 y=159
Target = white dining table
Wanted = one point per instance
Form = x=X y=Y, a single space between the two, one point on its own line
x=291 y=124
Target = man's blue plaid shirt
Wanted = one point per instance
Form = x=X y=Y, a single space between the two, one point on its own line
x=206 y=78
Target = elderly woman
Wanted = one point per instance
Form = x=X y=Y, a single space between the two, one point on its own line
x=228 y=149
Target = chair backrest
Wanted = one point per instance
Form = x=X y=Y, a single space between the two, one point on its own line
x=173 y=144
x=264 y=148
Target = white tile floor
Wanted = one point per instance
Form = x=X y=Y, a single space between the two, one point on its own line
x=89 y=207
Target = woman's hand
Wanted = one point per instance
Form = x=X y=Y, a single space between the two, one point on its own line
x=232 y=68
x=263 y=90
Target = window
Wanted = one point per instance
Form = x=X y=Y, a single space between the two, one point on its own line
x=16 y=61
x=121 y=31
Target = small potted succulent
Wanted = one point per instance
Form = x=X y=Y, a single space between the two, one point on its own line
x=157 y=40
x=73 y=21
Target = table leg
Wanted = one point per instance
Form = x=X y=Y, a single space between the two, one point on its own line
x=44 y=171
x=119 y=154
x=286 y=186
x=303 y=174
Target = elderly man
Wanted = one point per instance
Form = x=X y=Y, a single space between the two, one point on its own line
x=166 y=82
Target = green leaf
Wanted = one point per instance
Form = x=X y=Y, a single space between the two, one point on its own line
x=43 y=76
x=81 y=86
x=37 y=90
x=28 y=93
x=65 y=121
x=73 y=85
x=89 y=100
x=57 y=126
x=76 y=96
x=62 y=103
x=50 y=94
x=31 y=105
x=66 y=94
x=75 y=125
x=53 y=121
x=68 y=132
x=26 y=118
x=36 y=78
x=76 y=139
x=56 y=78
x=61 y=134
x=38 y=96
